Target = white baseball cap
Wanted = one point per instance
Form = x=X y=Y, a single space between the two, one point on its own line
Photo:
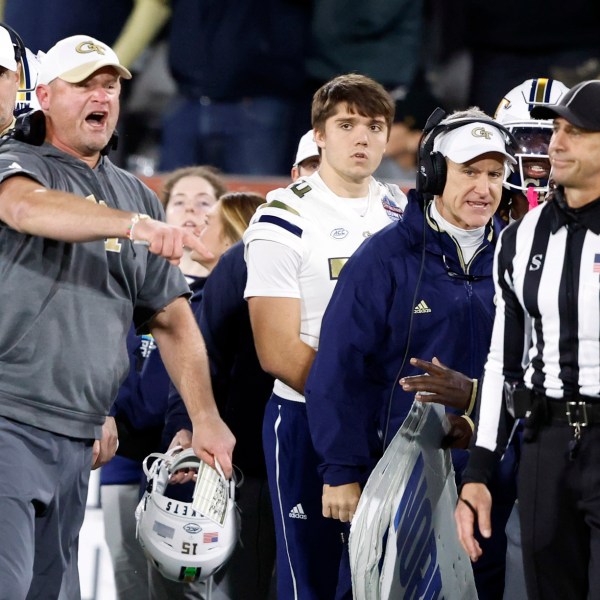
x=307 y=148
x=465 y=143
x=76 y=58
x=7 y=51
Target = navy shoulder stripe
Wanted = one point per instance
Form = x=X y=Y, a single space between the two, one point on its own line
x=281 y=223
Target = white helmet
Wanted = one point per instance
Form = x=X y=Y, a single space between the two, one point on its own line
x=533 y=135
x=26 y=97
x=187 y=541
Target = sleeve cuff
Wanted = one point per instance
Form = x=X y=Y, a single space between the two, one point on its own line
x=341 y=475
x=480 y=467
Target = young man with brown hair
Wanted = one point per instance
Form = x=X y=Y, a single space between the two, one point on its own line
x=296 y=246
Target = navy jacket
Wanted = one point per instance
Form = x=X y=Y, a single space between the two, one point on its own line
x=383 y=312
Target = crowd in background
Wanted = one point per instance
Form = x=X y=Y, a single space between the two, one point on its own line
x=230 y=83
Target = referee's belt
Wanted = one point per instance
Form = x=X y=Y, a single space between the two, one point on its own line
x=585 y=410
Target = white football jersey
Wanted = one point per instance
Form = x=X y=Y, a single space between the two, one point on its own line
x=324 y=230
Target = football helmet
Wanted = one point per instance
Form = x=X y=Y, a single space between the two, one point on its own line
x=186 y=540
x=533 y=135
x=26 y=97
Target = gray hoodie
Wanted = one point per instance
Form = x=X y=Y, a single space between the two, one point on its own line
x=65 y=309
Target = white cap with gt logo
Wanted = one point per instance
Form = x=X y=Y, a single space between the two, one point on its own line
x=470 y=141
x=76 y=58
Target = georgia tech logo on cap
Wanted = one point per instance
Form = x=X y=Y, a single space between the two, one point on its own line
x=87 y=47
x=481 y=132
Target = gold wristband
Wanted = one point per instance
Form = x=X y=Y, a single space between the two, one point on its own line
x=134 y=221
x=469 y=421
x=473 y=398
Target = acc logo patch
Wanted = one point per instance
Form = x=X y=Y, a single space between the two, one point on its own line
x=339 y=233
x=192 y=528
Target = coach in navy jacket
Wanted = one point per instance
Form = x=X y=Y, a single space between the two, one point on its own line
x=366 y=330
x=421 y=288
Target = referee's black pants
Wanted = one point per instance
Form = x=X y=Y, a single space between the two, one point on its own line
x=559 y=502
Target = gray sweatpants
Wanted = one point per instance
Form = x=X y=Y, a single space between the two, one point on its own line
x=43 y=491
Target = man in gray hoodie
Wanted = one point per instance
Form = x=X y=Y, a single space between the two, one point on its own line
x=82 y=254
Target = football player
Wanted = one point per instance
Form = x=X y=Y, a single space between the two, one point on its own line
x=529 y=183
x=296 y=246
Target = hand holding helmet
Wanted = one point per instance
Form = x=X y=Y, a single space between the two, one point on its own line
x=182 y=542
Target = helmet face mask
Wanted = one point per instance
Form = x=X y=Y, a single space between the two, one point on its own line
x=533 y=163
x=181 y=542
x=533 y=135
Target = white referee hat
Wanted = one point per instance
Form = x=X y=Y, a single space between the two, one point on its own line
x=75 y=58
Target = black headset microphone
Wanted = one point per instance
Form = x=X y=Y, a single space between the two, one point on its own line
x=30 y=127
x=432 y=171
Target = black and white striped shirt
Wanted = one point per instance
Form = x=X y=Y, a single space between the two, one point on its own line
x=547 y=326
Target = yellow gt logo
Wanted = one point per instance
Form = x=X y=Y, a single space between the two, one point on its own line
x=481 y=132
x=87 y=47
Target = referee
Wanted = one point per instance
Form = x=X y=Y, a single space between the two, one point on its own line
x=545 y=362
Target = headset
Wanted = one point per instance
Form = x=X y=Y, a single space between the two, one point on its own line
x=432 y=168
x=30 y=127
x=17 y=42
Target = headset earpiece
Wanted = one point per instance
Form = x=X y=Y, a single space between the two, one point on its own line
x=18 y=44
x=432 y=168
x=30 y=128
